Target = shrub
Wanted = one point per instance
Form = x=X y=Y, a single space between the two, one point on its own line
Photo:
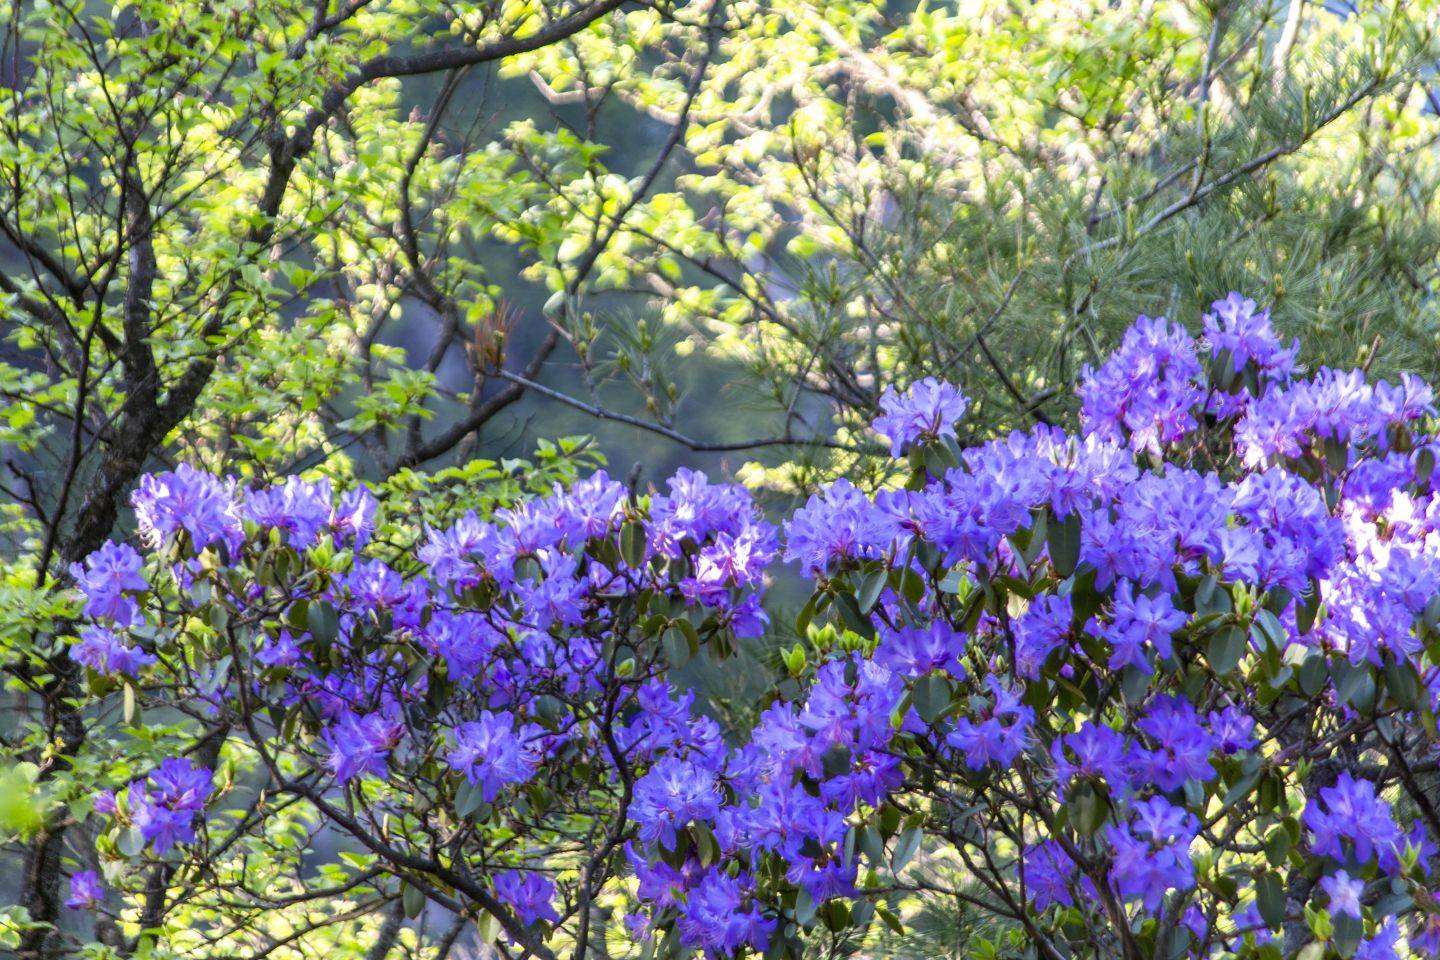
x=1164 y=688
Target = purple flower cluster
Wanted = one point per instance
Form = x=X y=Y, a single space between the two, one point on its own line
x=531 y=895
x=493 y=754
x=302 y=511
x=108 y=578
x=1348 y=823
x=103 y=651
x=1148 y=390
x=1060 y=655
x=924 y=413
x=165 y=809
x=1237 y=325
x=86 y=890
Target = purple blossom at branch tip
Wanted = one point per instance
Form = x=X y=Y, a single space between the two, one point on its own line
x=839 y=523
x=107 y=578
x=1349 y=818
x=672 y=795
x=716 y=920
x=1182 y=744
x=1039 y=631
x=1383 y=945
x=353 y=518
x=1138 y=625
x=1344 y=893
x=103 y=651
x=181 y=785
x=915 y=651
x=165 y=815
x=493 y=754
x=1050 y=876
x=591 y=507
x=280 y=652
x=1339 y=407
x=1094 y=753
x=1237 y=325
x=925 y=412
x=695 y=509
x=462 y=553
x=1234 y=730
x=1147 y=390
x=531 y=895
x=86 y=891
x=1151 y=856
x=187 y=499
x=298 y=508
x=360 y=745
x=998 y=735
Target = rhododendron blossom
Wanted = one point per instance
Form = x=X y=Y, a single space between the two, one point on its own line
x=1162 y=687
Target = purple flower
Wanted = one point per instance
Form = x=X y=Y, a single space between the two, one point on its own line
x=1234 y=729
x=1138 y=625
x=180 y=785
x=1151 y=856
x=494 y=754
x=1039 y=631
x=1099 y=754
x=166 y=815
x=280 y=652
x=840 y=523
x=296 y=507
x=1344 y=893
x=590 y=508
x=1049 y=875
x=1236 y=325
x=529 y=894
x=1182 y=745
x=999 y=733
x=1382 y=946
x=915 y=651
x=1147 y=390
x=187 y=499
x=451 y=554
x=354 y=517
x=86 y=891
x=106 y=578
x=1351 y=814
x=715 y=918
x=696 y=509
x=360 y=745
x=673 y=794
x=925 y=412
x=104 y=652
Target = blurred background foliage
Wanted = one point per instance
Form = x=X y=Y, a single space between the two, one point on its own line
x=416 y=242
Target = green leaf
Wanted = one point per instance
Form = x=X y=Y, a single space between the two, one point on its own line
x=854 y=619
x=871 y=588
x=1270 y=898
x=1064 y=539
x=412 y=899
x=891 y=921
x=905 y=848
x=130 y=842
x=931 y=697
x=1227 y=646
x=632 y=544
x=323 y=622
x=1087 y=808
x=804 y=907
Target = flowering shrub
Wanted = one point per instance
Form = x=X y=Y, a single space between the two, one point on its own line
x=1164 y=688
